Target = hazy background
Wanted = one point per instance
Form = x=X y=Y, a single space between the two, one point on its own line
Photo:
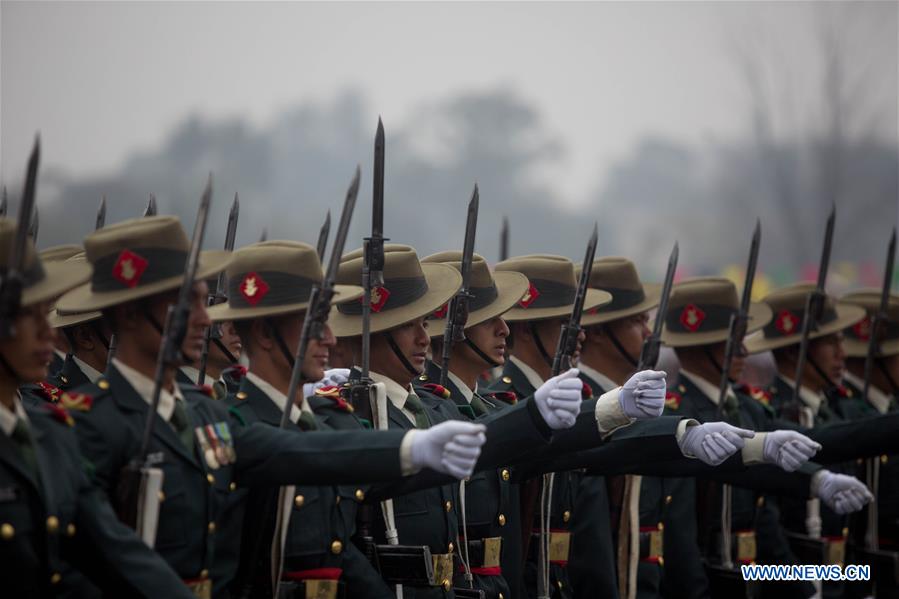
x=660 y=120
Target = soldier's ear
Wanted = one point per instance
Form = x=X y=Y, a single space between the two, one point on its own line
x=260 y=334
x=84 y=338
x=126 y=317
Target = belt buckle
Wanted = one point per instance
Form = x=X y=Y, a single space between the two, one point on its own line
x=836 y=551
x=443 y=568
x=746 y=546
x=202 y=589
x=559 y=544
x=492 y=550
x=656 y=543
x=320 y=589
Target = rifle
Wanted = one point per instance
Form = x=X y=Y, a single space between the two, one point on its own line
x=323 y=237
x=814 y=305
x=139 y=482
x=740 y=319
x=214 y=332
x=649 y=354
x=101 y=214
x=150 y=210
x=457 y=315
x=11 y=282
x=504 y=240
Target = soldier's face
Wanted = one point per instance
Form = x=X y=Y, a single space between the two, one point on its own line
x=828 y=354
x=488 y=336
x=549 y=331
x=197 y=323
x=318 y=354
x=30 y=350
x=231 y=340
x=412 y=340
x=630 y=332
x=737 y=364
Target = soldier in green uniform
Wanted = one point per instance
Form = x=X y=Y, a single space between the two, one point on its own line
x=222 y=367
x=55 y=528
x=61 y=348
x=138 y=267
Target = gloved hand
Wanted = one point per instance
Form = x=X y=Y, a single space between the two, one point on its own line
x=843 y=494
x=713 y=442
x=559 y=399
x=643 y=395
x=451 y=447
x=333 y=377
x=788 y=449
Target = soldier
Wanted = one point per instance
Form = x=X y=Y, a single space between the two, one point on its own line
x=51 y=517
x=223 y=369
x=138 y=267
x=59 y=253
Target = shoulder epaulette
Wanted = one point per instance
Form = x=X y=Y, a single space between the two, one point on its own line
x=438 y=390
x=59 y=414
x=509 y=397
x=672 y=400
x=51 y=392
x=206 y=390
x=236 y=371
x=586 y=391
x=81 y=402
x=332 y=392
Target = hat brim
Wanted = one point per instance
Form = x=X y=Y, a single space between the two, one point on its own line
x=224 y=312
x=652 y=293
x=859 y=349
x=62 y=321
x=846 y=316
x=759 y=315
x=443 y=283
x=84 y=299
x=595 y=298
x=59 y=278
x=510 y=288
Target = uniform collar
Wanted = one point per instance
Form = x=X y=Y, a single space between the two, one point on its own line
x=466 y=392
x=92 y=374
x=529 y=373
x=599 y=378
x=708 y=389
x=143 y=386
x=278 y=398
x=396 y=393
x=59 y=354
x=876 y=397
x=194 y=375
x=811 y=399
x=9 y=418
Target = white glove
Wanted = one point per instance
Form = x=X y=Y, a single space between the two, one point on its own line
x=333 y=378
x=713 y=442
x=559 y=399
x=643 y=395
x=843 y=494
x=451 y=447
x=788 y=449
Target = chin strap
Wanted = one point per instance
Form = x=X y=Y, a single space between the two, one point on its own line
x=98 y=331
x=618 y=346
x=399 y=355
x=539 y=343
x=228 y=355
x=285 y=351
x=883 y=369
x=715 y=363
x=480 y=353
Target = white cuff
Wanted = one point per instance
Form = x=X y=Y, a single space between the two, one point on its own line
x=406 y=466
x=754 y=449
x=816 y=482
x=609 y=415
x=681 y=431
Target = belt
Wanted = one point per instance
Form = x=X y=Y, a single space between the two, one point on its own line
x=318 y=583
x=652 y=546
x=559 y=546
x=443 y=569
x=201 y=587
x=485 y=553
x=835 y=552
x=746 y=546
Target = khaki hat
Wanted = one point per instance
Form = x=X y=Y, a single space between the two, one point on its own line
x=411 y=290
x=137 y=258
x=858 y=335
x=59 y=253
x=552 y=288
x=493 y=295
x=699 y=312
x=619 y=277
x=64 y=320
x=40 y=282
x=271 y=278
x=788 y=307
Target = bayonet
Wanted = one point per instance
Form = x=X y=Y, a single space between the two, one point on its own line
x=457 y=314
x=879 y=319
x=373 y=249
x=264 y=235
x=35 y=226
x=323 y=237
x=101 y=214
x=570 y=330
x=649 y=355
x=150 y=210
x=504 y=240
x=740 y=319
x=814 y=304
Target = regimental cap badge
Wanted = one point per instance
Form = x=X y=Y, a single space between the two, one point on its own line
x=862 y=329
x=529 y=297
x=129 y=267
x=379 y=297
x=692 y=317
x=787 y=323
x=253 y=288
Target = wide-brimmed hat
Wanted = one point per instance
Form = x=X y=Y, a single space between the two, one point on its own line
x=788 y=307
x=492 y=294
x=411 y=290
x=552 y=288
x=700 y=309
x=857 y=336
x=137 y=258
x=630 y=296
x=60 y=253
x=62 y=320
x=271 y=278
x=40 y=282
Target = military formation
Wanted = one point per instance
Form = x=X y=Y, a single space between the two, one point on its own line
x=277 y=420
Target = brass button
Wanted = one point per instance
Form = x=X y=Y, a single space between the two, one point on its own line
x=103 y=384
x=884 y=459
x=507 y=379
x=299 y=500
x=63 y=378
x=661 y=561
x=423 y=377
x=450 y=548
x=7 y=531
x=232 y=487
x=845 y=532
x=337 y=500
x=161 y=496
x=52 y=524
x=210 y=479
x=70 y=530
x=448 y=506
x=566 y=515
x=211 y=527
x=204 y=574
x=55 y=578
x=661 y=526
x=447 y=585
x=668 y=500
x=506 y=474
x=241 y=395
x=760 y=501
x=501 y=519
x=336 y=547
x=559 y=584
x=360 y=495
x=501 y=596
